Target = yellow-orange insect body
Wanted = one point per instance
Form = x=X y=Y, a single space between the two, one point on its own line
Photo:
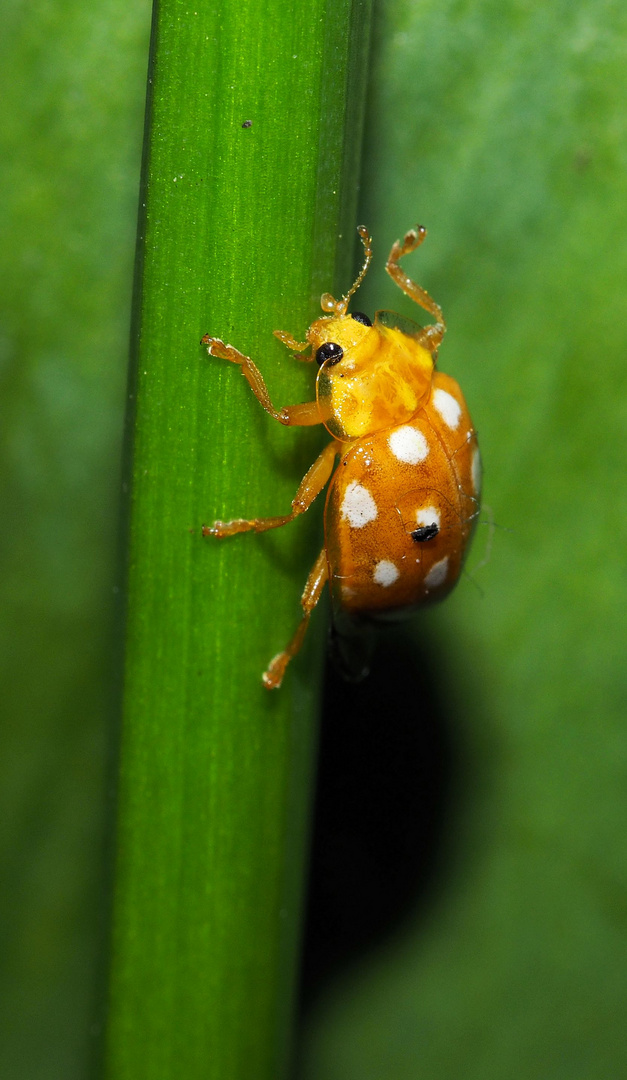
x=404 y=498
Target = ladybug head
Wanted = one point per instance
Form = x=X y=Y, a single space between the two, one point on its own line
x=335 y=337
x=371 y=377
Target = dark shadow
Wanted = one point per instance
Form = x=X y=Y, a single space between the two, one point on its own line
x=384 y=790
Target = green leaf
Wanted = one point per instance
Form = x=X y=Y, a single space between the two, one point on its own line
x=73 y=88
x=249 y=201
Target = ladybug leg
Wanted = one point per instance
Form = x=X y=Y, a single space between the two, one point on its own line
x=303 y=415
x=412 y=240
x=291 y=343
x=310 y=486
x=273 y=677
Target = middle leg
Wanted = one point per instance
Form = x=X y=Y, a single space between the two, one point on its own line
x=310 y=486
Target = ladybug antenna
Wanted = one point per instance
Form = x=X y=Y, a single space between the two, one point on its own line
x=327 y=302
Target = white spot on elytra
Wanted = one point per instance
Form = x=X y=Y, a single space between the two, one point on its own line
x=449 y=409
x=358 y=506
x=437 y=573
x=408 y=444
x=428 y=515
x=475 y=471
x=385 y=573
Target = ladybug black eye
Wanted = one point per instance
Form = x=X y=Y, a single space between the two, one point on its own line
x=359 y=316
x=331 y=352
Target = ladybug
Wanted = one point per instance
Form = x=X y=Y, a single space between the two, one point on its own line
x=404 y=498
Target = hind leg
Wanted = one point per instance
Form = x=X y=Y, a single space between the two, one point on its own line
x=273 y=677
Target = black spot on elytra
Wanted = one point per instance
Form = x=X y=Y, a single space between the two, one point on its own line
x=424 y=533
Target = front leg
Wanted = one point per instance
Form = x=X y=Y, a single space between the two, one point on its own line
x=290 y=342
x=304 y=415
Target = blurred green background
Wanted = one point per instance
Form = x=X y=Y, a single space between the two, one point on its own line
x=502 y=128
x=73 y=85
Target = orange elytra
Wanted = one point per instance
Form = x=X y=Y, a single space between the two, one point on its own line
x=404 y=499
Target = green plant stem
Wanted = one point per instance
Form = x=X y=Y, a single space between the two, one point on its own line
x=241 y=229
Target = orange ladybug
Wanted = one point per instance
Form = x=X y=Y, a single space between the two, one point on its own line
x=404 y=499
